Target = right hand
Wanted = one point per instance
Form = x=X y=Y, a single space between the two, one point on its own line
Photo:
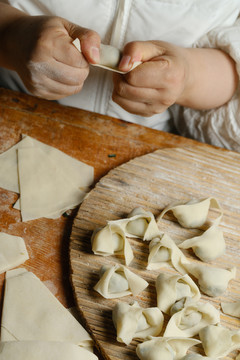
x=40 y=50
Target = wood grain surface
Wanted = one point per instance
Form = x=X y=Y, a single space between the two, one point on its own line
x=84 y=135
x=153 y=181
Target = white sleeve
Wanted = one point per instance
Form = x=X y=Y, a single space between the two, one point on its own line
x=220 y=126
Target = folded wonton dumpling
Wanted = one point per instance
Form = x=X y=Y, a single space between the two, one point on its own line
x=132 y=321
x=13 y=252
x=212 y=281
x=195 y=356
x=208 y=246
x=194 y=316
x=139 y=223
x=111 y=240
x=218 y=341
x=43 y=350
x=164 y=348
x=171 y=288
x=231 y=308
x=192 y=214
x=117 y=281
x=163 y=252
x=32 y=312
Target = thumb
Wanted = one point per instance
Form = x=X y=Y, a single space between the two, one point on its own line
x=140 y=51
x=90 y=41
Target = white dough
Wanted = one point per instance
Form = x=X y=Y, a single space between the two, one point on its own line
x=191 y=319
x=208 y=246
x=192 y=214
x=13 y=252
x=157 y=348
x=171 y=288
x=9 y=171
x=132 y=321
x=231 y=308
x=31 y=312
x=43 y=188
x=111 y=240
x=218 y=341
x=53 y=180
x=163 y=252
x=43 y=350
x=139 y=223
x=109 y=57
x=195 y=356
x=117 y=281
x=212 y=281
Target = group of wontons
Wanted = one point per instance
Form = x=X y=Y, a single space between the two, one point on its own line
x=177 y=294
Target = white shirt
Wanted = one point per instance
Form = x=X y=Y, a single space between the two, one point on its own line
x=182 y=22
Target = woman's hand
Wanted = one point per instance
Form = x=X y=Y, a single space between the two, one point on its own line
x=198 y=78
x=40 y=50
x=157 y=83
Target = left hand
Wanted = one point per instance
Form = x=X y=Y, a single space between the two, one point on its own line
x=160 y=81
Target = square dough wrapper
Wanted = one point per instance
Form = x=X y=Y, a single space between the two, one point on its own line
x=42 y=350
x=13 y=252
x=31 y=312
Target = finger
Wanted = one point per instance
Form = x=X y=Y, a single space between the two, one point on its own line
x=152 y=74
x=59 y=72
x=139 y=51
x=90 y=41
x=139 y=94
x=138 y=108
x=52 y=90
x=66 y=53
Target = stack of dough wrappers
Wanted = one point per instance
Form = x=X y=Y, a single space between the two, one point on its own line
x=49 y=181
x=35 y=325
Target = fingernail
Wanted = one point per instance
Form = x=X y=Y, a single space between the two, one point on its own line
x=94 y=53
x=125 y=63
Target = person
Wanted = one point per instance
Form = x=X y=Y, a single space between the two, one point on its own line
x=189 y=49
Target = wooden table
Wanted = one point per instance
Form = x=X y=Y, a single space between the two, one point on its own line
x=100 y=141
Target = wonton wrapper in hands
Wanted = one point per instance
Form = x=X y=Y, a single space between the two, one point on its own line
x=43 y=350
x=191 y=319
x=163 y=252
x=158 y=348
x=117 y=281
x=212 y=281
x=192 y=214
x=132 y=321
x=231 y=308
x=31 y=312
x=13 y=252
x=109 y=57
x=139 y=223
x=171 y=288
x=111 y=240
x=218 y=341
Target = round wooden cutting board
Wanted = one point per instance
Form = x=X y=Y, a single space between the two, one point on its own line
x=152 y=182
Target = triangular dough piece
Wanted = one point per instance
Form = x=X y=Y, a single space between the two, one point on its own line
x=44 y=190
x=31 y=312
x=9 y=172
x=39 y=350
x=77 y=172
x=13 y=252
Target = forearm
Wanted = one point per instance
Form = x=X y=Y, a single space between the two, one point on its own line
x=9 y=17
x=211 y=79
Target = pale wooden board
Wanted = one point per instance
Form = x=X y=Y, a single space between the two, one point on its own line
x=153 y=181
